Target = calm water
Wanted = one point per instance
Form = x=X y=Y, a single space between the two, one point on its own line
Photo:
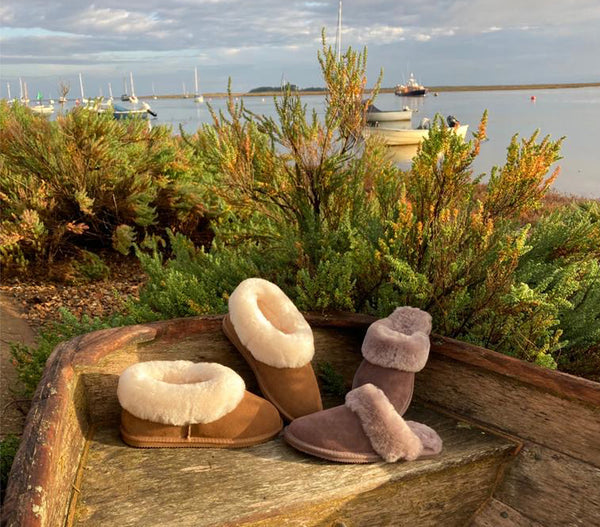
x=574 y=113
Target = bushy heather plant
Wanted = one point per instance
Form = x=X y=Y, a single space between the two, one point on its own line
x=88 y=180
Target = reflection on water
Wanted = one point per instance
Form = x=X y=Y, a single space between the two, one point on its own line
x=574 y=113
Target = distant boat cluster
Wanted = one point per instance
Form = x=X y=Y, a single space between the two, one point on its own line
x=131 y=107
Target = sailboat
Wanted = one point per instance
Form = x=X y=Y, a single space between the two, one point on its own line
x=10 y=99
x=110 y=93
x=153 y=93
x=40 y=107
x=125 y=96
x=185 y=93
x=83 y=99
x=132 y=98
x=197 y=96
x=23 y=97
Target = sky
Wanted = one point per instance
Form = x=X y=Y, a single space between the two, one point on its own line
x=259 y=42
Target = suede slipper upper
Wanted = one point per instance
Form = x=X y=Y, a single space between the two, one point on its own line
x=186 y=404
x=365 y=429
x=277 y=342
x=394 y=348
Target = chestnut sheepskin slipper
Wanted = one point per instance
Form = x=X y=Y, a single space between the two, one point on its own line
x=186 y=404
x=394 y=349
x=366 y=429
x=277 y=342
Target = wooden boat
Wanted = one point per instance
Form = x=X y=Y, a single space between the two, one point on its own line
x=411 y=89
x=521 y=444
x=397 y=137
x=375 y=115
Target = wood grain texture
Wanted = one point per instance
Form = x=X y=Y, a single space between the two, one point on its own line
x=515 y=407
x=272 y=482
x=498 y=514
x=553 y=488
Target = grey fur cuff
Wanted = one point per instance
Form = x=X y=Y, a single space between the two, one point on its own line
x=388 y=433
x=400 y=341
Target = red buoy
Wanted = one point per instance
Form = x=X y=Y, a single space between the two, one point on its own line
x=533 y=98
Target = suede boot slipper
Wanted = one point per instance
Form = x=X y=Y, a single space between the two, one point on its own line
x=277 y=342
x=394 y=349
x=365 y=429
x=186 y=404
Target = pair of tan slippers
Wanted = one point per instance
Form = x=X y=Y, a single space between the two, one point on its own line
x=186 y=404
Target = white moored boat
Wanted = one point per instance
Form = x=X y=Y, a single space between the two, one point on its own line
x=375 y=115
x=43 y=109
x=412 y=136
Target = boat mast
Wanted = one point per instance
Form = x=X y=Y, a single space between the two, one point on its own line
x=196 y=80
x=131 y=82
x=339 y=33
x=110 y=91
x=81 y=87
x=20 y=89
x=8 y=90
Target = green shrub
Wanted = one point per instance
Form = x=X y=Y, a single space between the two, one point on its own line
x=8 y=449
x=91 y=267
x=76 y=180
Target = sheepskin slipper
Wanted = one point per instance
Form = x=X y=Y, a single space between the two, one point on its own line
x=186 y=404
x=394 y=349
x=366 y=429
x=277 y=342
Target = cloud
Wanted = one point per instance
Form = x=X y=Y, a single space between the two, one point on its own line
x=251 y=40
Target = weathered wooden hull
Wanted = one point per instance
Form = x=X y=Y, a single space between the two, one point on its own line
x=549 y=421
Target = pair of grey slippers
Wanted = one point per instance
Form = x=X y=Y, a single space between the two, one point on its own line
x=369 y=427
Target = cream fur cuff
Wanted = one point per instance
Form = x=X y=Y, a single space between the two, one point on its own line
x=268 y=323
x=400 y=341
x=179 y=392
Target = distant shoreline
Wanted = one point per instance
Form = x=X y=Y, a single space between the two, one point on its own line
x=432 y=89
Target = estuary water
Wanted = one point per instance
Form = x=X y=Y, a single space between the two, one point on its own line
x=573 y=113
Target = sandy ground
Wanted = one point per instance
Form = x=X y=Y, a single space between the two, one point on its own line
x=13 y=328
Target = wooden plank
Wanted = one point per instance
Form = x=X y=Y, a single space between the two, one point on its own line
x=498 y=514
x=514 y=407
x=553 y=488
x=563 y=384
x=272 y=482
x=447 y=499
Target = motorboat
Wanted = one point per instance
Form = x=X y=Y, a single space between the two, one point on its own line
x=411 y=89
x=411 y=136
x=144 y=111
x=375 y=115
